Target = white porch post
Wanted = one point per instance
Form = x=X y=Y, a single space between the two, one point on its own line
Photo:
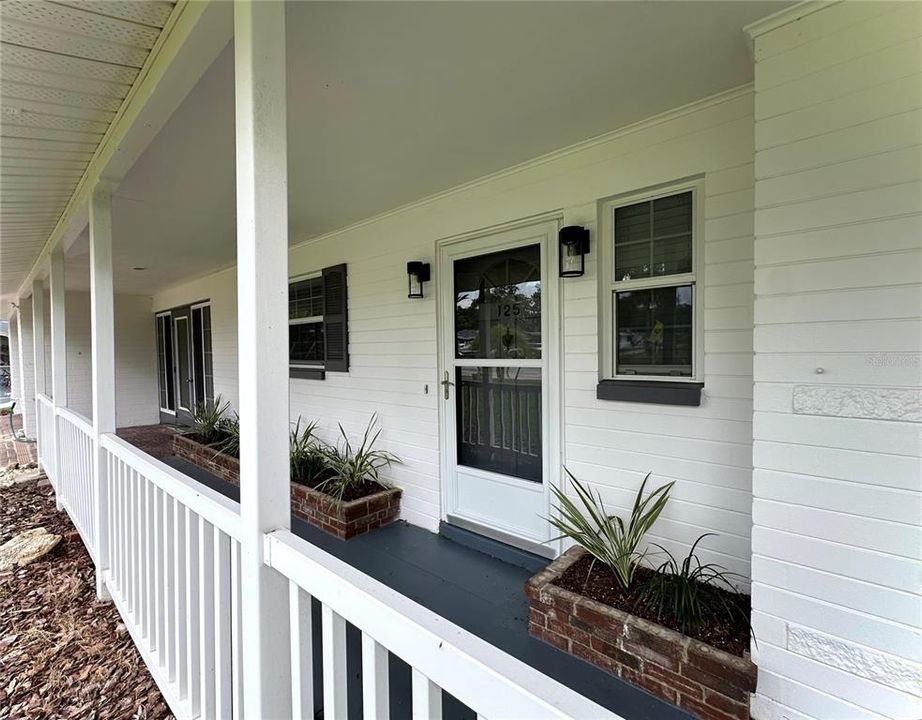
x=58 y=357
x=102 y=330
x=22 y=396
x=38 y=364
x=262 y=302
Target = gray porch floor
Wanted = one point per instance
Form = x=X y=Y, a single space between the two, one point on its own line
x=479 y=592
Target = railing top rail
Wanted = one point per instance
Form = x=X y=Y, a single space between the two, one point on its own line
x=490 y=681
x=81 y=422
x=209 y=504
x=43 y=398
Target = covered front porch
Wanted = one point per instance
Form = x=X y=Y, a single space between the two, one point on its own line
x=523 y=240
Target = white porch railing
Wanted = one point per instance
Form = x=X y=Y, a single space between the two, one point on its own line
x=174 y=575
x=174 y=558
x=44 y=435
x=74 y=481
x=442 y=655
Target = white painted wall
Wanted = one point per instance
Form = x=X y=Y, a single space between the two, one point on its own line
x=393 y=340
x=837 y=509
x=135 y=358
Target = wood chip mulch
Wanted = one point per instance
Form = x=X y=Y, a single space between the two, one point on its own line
x=62 y=653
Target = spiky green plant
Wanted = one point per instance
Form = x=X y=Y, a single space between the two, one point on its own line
x=608 y=538
x=686 y=590
x=230 y=434
x=352 y=466
x=208 y=418
x=306 y=454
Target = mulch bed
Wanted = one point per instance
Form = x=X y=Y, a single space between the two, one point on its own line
x=62 y=653
x=726 y=631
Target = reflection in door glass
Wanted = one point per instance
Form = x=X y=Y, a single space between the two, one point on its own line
x=499 y=420
x=498 y=305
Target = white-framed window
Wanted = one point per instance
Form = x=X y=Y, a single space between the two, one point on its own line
x=305 y=321
x=650 y=276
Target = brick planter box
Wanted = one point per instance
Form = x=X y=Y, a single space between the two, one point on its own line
x=206 y=457
x=344 y=520
x=707 y=682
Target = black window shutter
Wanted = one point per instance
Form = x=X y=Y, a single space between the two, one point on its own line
x=335 y=321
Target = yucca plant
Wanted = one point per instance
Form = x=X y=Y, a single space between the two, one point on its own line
x=208 y=418
x=230 y=432
x=687 y=591
x=608 y=538
x=352 y=466
x=306 y=453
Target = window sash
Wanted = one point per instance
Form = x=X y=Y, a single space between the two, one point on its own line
x=609 y=285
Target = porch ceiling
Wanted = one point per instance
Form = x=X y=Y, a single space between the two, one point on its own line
x=66 y=69
x=391 y=102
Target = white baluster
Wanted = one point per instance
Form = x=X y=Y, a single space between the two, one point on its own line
x=427 y=698
x=375 y=694
x=302 y=653
x=334 y=664
x=222 y=624
x=206 y=619
x=192 y=610
x=179 y=599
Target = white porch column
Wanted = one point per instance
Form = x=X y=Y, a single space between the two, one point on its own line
x=23 y=337
x=58 y=356
x=102 y=331
x=38 y=364
x=262 y=302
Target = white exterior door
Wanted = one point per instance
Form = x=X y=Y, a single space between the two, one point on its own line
x=499 y=385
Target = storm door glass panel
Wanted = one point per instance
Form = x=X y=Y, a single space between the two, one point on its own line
x=201 y=356
x=655 y=331
x=498 y=305
x=183 y=363
x=198 y=358
x=499 y=420
x=165 y=363
x=208 y=361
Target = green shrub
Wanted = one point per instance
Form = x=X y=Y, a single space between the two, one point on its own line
x=352 y=467
x=608 y=538
x=208 y=419
x=687 y=591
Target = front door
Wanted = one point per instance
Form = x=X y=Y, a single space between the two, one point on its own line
x=498 y=351
x=184 y=362
x=182 y=334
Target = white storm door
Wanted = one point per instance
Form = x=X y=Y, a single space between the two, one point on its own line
x=498 y=350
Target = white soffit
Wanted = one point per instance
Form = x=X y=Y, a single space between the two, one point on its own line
x=65 y=69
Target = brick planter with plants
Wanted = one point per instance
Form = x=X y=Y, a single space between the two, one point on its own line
x=335 y=488
x=679 y=630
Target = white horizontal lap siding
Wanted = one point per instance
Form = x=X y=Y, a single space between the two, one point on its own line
x=392 y=360
x=706 y=450
x=393 y=351
x=837 y=509
x=135 y=358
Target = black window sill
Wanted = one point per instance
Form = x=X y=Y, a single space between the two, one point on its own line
x=657 y=392
x=307 y=373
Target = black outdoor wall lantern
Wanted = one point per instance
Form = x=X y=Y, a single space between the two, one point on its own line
x=574 y=246
x=417 y=274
